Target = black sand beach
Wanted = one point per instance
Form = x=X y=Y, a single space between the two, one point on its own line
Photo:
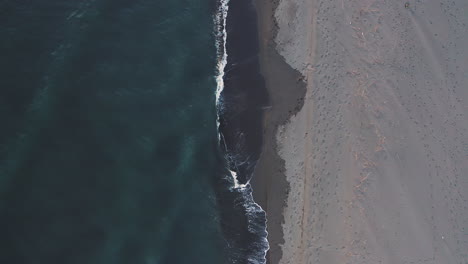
x=286 y=91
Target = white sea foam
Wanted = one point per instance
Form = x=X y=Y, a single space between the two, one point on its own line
x=221 y=38
x=252 y=208
x=237 y=185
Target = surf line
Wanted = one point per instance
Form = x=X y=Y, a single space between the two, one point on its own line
x=252 y=208
x=221 y=39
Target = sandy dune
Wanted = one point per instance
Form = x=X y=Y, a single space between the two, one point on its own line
x=377 y=158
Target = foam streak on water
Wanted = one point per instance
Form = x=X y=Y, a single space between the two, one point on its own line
x=221 y=39
x=253 y=210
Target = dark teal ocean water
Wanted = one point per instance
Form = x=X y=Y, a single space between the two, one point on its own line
x=108 y=140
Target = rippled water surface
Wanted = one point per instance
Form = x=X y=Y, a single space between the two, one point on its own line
x=108 y=140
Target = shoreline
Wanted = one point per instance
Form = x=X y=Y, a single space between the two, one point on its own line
x=269 y=184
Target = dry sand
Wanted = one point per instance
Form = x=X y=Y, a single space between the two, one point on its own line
x=376 y=159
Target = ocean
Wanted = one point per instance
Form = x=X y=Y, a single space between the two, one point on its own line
x=128 y=133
